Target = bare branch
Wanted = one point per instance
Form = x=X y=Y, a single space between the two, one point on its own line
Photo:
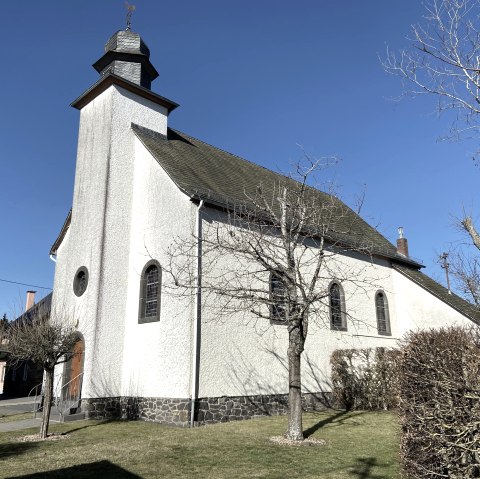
x=273 y=257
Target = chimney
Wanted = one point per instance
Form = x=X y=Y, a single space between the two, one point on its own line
x=30 y=300
x=402 y=243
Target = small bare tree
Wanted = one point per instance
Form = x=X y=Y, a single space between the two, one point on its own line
x=272 y=257
x=444 y=61
x=46 y=338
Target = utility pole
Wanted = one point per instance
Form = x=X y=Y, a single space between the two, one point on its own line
x=445 y=265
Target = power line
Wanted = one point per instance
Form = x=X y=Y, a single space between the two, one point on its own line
x=24 y=284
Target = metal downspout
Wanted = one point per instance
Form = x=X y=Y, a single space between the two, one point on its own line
x=198 y=317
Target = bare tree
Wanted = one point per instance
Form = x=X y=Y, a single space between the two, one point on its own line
x=46 y=338
x=272 y=257
x=444 y=61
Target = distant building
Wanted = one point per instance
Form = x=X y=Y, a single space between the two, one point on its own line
x=21 y=378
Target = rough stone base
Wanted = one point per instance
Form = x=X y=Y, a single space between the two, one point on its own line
x=208 y=410
x=228 y=408
x=172 y=411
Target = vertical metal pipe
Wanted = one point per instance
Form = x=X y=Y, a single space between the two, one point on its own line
x=198 y=317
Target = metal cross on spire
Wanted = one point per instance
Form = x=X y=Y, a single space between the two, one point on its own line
x=130 y=10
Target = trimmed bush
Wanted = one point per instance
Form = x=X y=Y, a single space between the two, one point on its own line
x=365 y=378
x=439 y=385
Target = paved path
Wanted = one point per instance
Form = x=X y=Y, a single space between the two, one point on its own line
x=17 y=425
x=16 y=406
x=9 y=407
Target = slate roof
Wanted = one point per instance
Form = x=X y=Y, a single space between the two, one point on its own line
x=44 y=305
x=204 y=172
x=456 y=302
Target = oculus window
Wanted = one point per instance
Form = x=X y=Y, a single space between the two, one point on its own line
x=80 y=281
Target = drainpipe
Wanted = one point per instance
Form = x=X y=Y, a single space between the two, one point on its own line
x=198 y=317
x=53 y=257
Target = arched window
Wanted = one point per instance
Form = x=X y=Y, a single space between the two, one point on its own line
x=278 y=306
x=150 y=287
x=338 y=317
x=383 y=317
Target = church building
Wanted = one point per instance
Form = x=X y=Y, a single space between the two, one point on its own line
x=146 y=352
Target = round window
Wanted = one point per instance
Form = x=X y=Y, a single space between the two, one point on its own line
x=80 y=281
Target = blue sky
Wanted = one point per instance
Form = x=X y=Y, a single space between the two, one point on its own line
x=256 y=78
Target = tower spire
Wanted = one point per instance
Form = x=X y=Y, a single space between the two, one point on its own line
x=130 y=10
x=127 y=56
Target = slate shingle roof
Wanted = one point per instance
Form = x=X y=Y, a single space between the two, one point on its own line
x=456 y=302
x=204 y=172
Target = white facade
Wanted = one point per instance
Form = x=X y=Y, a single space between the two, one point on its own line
x=126 y=211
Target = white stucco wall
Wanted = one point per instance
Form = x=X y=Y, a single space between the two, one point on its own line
x=99 y=233
x=244 y=355
x=157 y=355
x=419 y=309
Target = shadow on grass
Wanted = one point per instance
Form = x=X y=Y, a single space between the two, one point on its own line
x=338 y=418
x=363 y=468
x=98 y=423
x=15 y=448
x=100 y=469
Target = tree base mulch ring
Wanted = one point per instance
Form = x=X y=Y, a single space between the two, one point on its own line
x=309 y=441
x=36 y=437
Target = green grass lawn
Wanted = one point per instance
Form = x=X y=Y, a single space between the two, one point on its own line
x=361 y=445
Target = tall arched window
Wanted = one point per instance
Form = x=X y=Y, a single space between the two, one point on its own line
x=383 y=317
x=338 y=317
x=278 y=306
x=150 y=287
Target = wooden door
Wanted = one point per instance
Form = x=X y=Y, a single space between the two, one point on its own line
x=76 y=370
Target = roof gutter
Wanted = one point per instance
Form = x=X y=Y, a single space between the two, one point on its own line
x=197 y=321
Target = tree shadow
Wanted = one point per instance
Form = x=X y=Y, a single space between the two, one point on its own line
x=338 y=418
x=15 y=448
x=363 y=468
x=96 y=423
x=103 y=469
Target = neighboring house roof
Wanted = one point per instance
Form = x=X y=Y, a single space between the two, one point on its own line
x=442 y=293
x=45 y=304
x=207 y=173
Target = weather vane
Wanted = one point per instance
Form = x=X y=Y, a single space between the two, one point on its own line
x=130 y=10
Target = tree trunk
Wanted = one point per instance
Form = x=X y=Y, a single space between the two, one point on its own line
x=295 y=349
x=47 y=403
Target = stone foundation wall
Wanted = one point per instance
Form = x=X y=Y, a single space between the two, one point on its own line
x=211 y=410
x=227 y=408
x=172 y=411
